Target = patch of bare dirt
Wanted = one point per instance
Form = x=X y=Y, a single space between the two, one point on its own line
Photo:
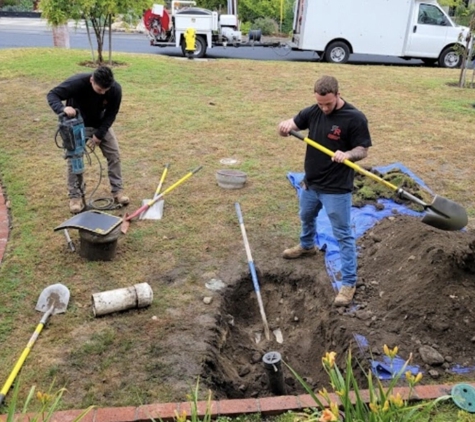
x=416 y=288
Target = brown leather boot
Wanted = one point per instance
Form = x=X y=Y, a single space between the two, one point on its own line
x=297 y=252
x=121 y=199
x=76 y=205
x=345 y=296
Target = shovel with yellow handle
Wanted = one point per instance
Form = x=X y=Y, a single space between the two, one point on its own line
x=126 y=221
x=442 y=213
x=53 y=300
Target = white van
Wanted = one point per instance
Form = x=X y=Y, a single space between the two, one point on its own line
x=404 y=28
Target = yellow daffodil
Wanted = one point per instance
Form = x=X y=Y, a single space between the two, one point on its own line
x=327 y=416
x=334 y=409
x=341 y=392
x=390 y=353
x=413 y=379
x=397 y=400
x=374 y=407
x=324 y=393
x=386 y=406
x=329 y=359
x=180 y=417
x=43 y=397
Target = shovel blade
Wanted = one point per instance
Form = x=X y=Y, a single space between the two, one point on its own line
x=125 y=225
x=155 y=212
x=278 y=335
x=56 y=295
x=445 y=214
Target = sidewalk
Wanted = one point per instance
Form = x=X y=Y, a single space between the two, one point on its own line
x=42 y=23
x=35 y=22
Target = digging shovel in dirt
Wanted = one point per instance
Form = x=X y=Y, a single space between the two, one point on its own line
x=277 y=332
x=442 y=214
x=53 y=300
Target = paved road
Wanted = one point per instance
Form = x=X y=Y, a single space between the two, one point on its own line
x=34 y=32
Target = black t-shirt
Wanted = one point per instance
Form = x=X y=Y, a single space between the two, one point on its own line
x=343 y=129
x=98 y=111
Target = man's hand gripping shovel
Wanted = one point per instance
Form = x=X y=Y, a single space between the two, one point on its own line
x=127 y=218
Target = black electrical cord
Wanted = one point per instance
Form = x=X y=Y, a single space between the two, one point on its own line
x=100 y=204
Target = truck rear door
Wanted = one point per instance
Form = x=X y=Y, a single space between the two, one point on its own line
x=430 y=32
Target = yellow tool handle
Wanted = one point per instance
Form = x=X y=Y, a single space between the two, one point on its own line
x=162 y=179
x=349 y=163
x=176 y=184
x=146 y=206
x=24 y=355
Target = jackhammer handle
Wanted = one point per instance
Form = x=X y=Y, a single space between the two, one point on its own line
x=63 y=115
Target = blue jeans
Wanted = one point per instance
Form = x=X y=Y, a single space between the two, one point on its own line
x=338 y=208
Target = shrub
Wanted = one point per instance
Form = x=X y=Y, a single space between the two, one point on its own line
x=266 y=25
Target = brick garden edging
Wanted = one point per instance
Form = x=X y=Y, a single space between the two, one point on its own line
x=4 y=224
x=267 y=406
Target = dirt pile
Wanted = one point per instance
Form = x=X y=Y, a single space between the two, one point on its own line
x=416 y=290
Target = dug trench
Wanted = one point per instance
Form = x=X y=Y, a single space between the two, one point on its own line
x=416 y=290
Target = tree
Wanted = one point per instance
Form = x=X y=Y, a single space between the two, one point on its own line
x=465 y=15
x=57 y=13
x=100 y=14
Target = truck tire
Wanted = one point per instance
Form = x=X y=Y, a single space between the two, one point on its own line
x=200 y=47
x=450 y=58
x=337 y=52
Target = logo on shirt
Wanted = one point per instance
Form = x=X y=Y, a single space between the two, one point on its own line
x=335 y=133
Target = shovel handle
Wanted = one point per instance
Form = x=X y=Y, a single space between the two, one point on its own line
x=24 y=355
x=162 y=179
x=252 y=269
x=159 y=197
x=349 y=163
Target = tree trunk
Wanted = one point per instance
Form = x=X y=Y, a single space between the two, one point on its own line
x=61 y=36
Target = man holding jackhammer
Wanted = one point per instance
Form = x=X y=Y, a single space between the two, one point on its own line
x=328 y=183
x=97 y=96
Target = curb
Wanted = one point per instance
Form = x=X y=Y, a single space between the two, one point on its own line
x=268 y=406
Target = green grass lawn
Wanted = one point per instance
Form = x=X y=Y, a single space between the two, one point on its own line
x=187 y=114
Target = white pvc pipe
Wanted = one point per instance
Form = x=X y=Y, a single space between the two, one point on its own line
x=137 y=296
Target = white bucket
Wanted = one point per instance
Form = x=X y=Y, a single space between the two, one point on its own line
x=137 y=296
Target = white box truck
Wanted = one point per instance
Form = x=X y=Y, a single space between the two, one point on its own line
x=403 y=28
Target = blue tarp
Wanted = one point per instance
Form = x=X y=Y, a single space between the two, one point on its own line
x=362 y=219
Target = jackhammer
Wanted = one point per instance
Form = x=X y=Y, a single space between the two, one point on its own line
x=74 y=142
x=73 y=135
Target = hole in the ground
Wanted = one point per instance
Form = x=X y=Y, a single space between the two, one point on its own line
x=297 y=310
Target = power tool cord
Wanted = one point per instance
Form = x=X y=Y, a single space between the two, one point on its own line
x=101 y=204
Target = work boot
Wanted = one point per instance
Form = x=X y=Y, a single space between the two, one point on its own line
x=121 y=199
x=345 y=296
x=76 y=205
x=298 y=251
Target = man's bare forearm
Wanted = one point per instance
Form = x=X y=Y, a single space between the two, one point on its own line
x=358 y=153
